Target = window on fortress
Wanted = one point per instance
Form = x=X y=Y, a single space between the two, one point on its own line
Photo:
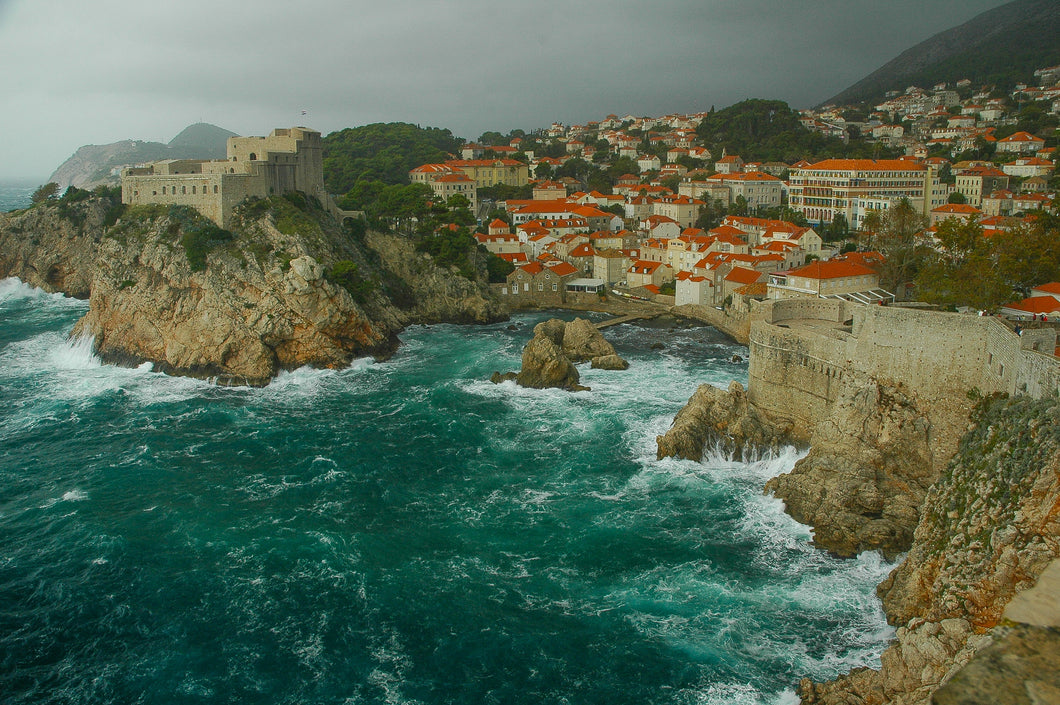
x=163 y=190
x=215 y=188
x=193 y=189
x=183 y=189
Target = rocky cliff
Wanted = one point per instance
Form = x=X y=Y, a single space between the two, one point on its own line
x=867 y=472
x=864 y=478
x=286 y=287
x=988 y=530
x=54 y=248
x=977 y=532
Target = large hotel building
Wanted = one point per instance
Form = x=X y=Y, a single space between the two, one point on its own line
x=854 y=187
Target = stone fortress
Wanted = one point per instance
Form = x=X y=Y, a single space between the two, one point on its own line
x=289 y=159
x=805 y=352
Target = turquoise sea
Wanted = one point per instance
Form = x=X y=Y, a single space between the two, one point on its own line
x=398 y=532
x=15 y=194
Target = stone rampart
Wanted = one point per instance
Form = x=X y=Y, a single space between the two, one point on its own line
x=802 y=356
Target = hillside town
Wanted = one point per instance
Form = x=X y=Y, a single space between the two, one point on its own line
x=685 y=226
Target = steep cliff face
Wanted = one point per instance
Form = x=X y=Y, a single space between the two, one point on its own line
x=286 y=288
x=992 y=522
x=861 y=484
x=433 y=294
x=988 y=529
x=54 y=248
x=867 y=473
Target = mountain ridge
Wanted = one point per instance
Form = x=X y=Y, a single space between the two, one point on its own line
x=1000 y=46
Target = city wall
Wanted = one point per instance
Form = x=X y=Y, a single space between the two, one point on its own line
x=806 y=352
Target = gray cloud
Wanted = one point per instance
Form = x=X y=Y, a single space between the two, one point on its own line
x=91 y=73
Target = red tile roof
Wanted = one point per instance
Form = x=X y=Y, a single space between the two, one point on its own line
x=831 y=269
x=1037 y=304
x=865 y=165
x=743 y=275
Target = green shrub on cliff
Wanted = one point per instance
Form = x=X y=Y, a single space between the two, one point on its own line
x=293 y=213
x=198 y=235
x=347 y=275
x=453 y=248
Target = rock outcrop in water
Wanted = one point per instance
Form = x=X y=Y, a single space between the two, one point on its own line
x=549 y=356
x=286 y=288
x=718 y=418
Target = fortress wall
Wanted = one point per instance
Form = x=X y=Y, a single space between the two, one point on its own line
x=796 y=376
x=238 y=187
x=807 y=307
x=1038 y=376
x=798 y=373
x=289 y=159
x=200 y=191
x=214 y=194
x=941 y=353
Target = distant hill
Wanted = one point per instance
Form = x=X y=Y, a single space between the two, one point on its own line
x=1001 y=47
x=96 y=164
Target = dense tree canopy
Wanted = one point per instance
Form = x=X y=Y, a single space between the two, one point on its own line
x=896 y=233
x=382 y=152
x=769 y=130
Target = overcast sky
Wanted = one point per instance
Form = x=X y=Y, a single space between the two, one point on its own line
x=75 y=72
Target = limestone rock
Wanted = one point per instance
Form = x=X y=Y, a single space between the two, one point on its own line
x=232 y=322
x=922 y=657
x=52 y=249
x=990 y=526
x=989 y=529
x=548 y=358
x=609 y=362
x=867 y=472
x=583 y=341
x=545 y=365
x=1022 y=667
x=255 y=301
x=720 y=417
x=431 y=294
